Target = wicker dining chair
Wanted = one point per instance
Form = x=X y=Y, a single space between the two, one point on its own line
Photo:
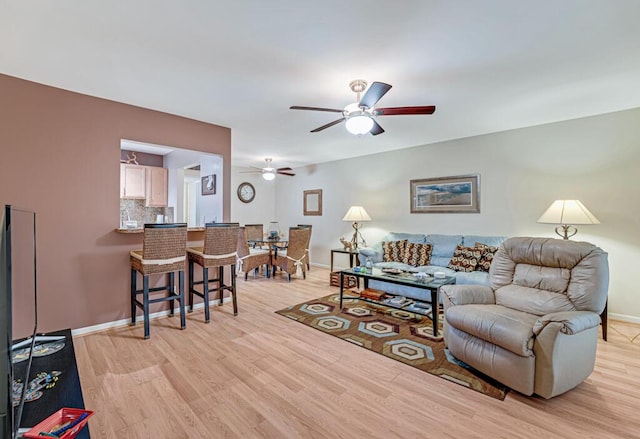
x=255 y=232
x=292 y=260
x=250 y=258
x=309 y=226
x=163 y=252
x=219 y=251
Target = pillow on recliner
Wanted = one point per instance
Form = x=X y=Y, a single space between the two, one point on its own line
x=484 y=263
x=417 y=254
x=393 y=251
x=465 y=258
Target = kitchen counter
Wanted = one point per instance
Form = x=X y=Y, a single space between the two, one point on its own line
x=139 y=230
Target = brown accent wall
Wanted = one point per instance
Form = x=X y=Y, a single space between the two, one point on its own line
x=59 y=156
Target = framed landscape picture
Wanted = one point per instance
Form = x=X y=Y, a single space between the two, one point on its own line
x=458 y=194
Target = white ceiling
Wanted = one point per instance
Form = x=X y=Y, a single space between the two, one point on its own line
x=488 y=66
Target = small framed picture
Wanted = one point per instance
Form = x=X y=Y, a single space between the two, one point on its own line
x=459 y=194
x=209 y=184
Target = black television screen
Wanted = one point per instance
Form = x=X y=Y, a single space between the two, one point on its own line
x=18 y=308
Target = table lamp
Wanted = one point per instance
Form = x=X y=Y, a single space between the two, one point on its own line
x=355 y=214
x=567 y=213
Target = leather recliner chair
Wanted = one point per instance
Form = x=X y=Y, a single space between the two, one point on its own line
x=535 y=328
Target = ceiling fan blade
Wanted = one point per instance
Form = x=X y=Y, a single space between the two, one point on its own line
x=373 y=95
x=330 y=124
x=377 y=129
x=251 y=172
x=291 y=174
x=393 y=111
x=331 y=110
x=284 y=169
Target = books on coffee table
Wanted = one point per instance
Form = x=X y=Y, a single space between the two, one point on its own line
x=372 y=294
x=398 y=301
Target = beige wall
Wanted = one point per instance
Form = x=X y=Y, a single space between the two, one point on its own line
x=594 y=159
x=262 y=209
x=59 y=157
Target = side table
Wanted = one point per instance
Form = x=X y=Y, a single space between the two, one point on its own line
x=353 y=256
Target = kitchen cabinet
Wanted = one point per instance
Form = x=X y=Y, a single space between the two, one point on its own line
x=157 y=187
x=132 y=181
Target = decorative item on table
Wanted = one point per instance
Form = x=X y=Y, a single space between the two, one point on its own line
x=359 y=269
x=566 y=213
x=439 y=274
x=369 y=265
x=422 y=276
x=66 y=423
x=274 y=230
x=355 y=214
x=346 y=244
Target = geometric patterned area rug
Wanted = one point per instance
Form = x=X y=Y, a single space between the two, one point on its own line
x=402 y=335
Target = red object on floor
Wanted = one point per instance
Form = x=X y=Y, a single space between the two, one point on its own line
x=57 y=421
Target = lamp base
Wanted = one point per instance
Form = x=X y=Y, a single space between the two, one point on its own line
x=566 y=231
x=356 y=234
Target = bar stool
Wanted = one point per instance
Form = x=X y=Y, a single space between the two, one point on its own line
x=163 y=252
x=219 y=251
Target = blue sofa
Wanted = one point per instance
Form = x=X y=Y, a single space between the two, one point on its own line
x=443 y=247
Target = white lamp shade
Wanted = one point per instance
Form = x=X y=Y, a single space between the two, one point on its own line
x=268 y=175
x=359 y=124
x=356 y=213
x=567 y=212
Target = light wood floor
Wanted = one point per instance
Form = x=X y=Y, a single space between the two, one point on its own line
x=260 y=375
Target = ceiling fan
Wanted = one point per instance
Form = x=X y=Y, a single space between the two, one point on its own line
x=269 y=172
x=360 y=116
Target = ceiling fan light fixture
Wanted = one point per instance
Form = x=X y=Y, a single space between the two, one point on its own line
x=268 y=174
x=359 y=124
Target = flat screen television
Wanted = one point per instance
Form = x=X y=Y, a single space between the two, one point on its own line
x=18 y=309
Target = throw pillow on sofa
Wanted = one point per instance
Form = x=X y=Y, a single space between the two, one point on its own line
x=465 y=258
x=417 y=254
x=484 y=263
x=393 y=251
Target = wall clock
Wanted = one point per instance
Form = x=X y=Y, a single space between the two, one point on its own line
x=246 y=192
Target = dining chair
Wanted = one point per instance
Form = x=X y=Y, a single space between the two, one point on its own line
x=292 y=260
x=219 y=251
x=250 y=258
x=163 y=252
x=255 y=233
x=309 y=226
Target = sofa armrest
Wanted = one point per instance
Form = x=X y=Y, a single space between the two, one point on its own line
x=453 y=295
x=571 y=322
x=370 y=252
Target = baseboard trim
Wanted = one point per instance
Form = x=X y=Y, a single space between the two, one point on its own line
x=125 y=322
x=624 y=318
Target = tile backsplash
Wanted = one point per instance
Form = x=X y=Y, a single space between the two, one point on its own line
x=135 y=210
